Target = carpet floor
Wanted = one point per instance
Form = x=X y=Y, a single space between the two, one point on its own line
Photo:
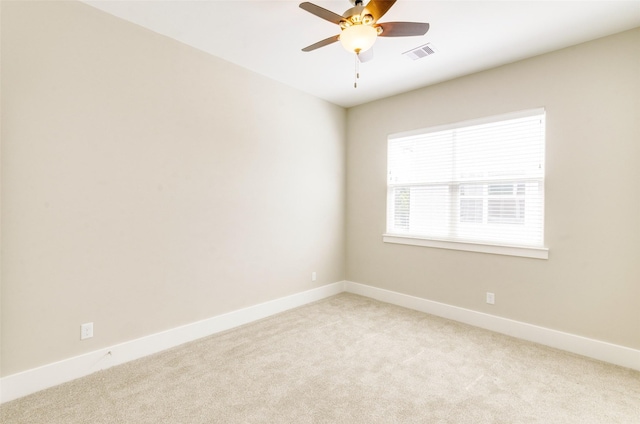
x=345 y=359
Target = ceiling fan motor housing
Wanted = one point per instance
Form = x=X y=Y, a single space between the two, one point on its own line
x=357 y=15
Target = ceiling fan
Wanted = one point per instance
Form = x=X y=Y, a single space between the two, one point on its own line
x=360 y=27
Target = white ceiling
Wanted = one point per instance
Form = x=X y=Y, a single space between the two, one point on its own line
x=470 y=36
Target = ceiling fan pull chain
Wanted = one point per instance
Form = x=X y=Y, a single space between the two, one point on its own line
x=357 y=70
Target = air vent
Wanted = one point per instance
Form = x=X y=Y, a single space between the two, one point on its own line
x=420 y=52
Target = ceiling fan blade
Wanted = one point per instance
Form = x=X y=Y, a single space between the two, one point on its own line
x=365 y=56
x=403 y=29
x=321 y=43
x=379 y=8
x=321 y=12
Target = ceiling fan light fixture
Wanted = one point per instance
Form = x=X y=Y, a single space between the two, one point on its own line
x=358 y=38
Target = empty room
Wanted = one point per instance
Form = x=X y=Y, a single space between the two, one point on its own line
x=321 y=212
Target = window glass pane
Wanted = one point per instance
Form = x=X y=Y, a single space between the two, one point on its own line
x=402 y=201
x=430 y=210
x=471 y=210
x=471 y=189
x=497 y=189
x=506 y=211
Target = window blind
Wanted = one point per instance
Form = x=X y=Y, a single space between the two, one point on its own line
x=478 y=181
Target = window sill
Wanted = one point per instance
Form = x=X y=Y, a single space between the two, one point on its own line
x=523 y=251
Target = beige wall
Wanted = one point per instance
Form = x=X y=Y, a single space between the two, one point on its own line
x=148 y=185
x=590 y=285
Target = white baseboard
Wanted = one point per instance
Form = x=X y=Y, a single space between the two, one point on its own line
x=33 y=380
x=596 y=349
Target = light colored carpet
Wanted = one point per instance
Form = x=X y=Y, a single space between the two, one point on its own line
x=346 y=359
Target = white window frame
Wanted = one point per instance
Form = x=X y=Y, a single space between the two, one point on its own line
x=537 y=252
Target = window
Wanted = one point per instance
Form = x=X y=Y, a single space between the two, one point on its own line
x=476 y=185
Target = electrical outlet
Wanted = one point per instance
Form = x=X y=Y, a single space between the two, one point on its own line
x=314 y=277
x=491 y=298
x=86 y=331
